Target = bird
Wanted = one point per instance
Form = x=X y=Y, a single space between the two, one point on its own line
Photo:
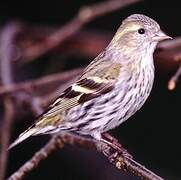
x=111 y=88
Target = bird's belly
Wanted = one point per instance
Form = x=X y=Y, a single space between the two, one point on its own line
x=110 y=110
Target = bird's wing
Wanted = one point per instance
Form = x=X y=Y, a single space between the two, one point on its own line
x=89 y=86
x=97 y=79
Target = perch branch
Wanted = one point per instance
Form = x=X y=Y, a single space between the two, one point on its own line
x=131 y=165
x=58 y=141
x=37 y=158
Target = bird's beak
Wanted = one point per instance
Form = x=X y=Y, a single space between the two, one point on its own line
x=160 y=36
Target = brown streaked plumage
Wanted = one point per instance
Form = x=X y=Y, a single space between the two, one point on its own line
x=111 y=89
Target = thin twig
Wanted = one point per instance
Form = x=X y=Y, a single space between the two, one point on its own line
x=6 y=54
x=23 y=97
x=38 y=83
x=173 y=46
x=170 y=44
x=78 y=43
x=57 y=142
x=173 y=80
x=84 y=16
x=36 y=159
x=5 y=134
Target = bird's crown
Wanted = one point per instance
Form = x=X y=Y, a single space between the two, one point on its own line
x=140 y=18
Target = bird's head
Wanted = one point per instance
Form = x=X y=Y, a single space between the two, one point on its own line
x=138 y=32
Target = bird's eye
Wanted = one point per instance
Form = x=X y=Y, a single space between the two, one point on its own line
x=141 y=31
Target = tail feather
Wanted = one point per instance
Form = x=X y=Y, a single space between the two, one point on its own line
x=26 y=134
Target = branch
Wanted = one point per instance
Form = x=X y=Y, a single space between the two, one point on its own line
x=57 y=142
x=84 y=16
x=36 y=159
x=38 y=83
x=134 y=167
x=7 y=51
x=5 y=134
x=34 y=103
x=174 y=53
x=78 y=43
x=169 y=44
x=173 y=80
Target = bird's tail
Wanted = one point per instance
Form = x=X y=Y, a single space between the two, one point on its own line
x=26 y=134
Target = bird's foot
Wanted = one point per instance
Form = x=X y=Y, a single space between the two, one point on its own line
x=116 y=147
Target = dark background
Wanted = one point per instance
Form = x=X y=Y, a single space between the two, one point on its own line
x=152 y=135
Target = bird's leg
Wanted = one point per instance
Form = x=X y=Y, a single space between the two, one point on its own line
x=108 y=137
x=115 y=145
